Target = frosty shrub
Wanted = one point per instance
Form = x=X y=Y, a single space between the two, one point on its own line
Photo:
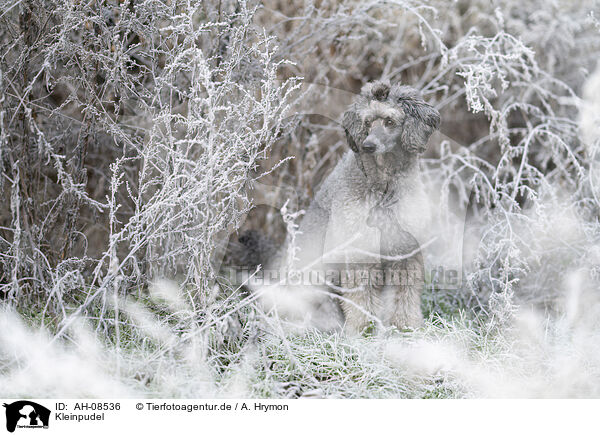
x=129 y=133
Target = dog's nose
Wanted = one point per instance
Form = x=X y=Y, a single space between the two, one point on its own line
x=369 y=147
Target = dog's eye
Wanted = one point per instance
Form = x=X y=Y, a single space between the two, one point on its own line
x=389 y=122
x=367 y=124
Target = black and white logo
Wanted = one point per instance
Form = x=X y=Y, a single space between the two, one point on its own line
x=26 y=414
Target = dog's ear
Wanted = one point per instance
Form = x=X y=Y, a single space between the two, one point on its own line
x=411 y=101
x=429 y=116
x=353 y=128
x=423 y=120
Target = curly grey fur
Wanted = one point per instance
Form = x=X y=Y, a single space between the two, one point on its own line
x=376 y=192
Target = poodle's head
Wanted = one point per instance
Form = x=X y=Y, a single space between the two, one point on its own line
x=385 y=117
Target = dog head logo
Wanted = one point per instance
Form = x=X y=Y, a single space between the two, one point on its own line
x=26 y=414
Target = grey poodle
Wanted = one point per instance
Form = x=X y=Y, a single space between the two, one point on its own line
x=362 y=230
